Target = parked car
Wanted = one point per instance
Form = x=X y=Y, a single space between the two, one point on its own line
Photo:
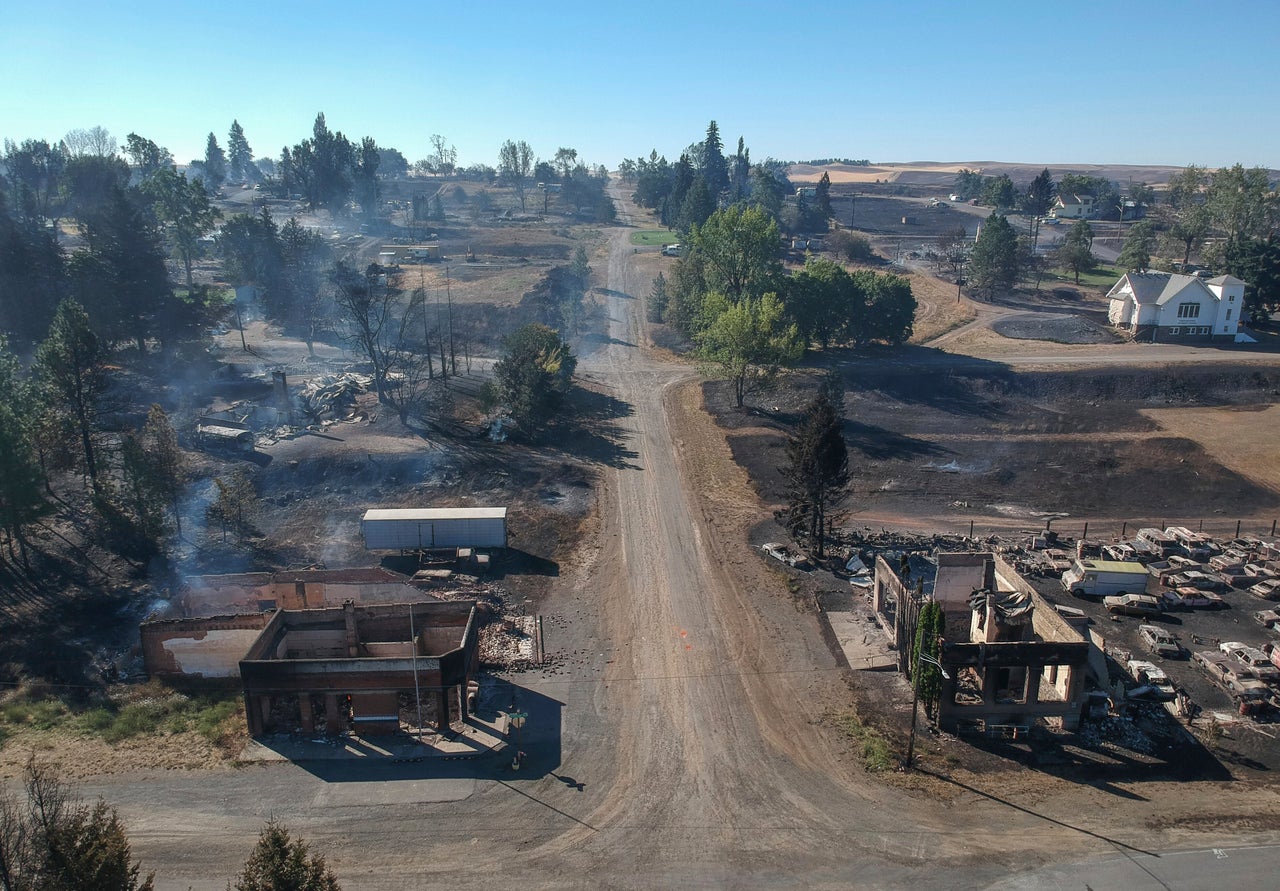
x=1252 y=695
x=1141 y=605
x=1153 y=682
x=778 y=551
x=672 y=250
x=1193 y=598
x=1161 y=642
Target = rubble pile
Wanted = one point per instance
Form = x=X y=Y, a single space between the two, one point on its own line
x=1117 y=732
x=508 y=642
x=333 y=396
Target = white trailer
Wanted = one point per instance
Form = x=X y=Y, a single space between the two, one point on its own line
x=424 y=529
x=1102 y=578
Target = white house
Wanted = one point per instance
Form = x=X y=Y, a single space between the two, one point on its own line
x=1072 y=207
x=1163 y=307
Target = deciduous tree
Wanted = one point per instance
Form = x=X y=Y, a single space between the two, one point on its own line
x=927 y=677
x=1135 y=256
x=740 y=247
x=748 y=341
x=515 y=161
x=1075 y=254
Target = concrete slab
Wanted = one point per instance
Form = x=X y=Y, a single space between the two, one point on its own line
x=862 y=641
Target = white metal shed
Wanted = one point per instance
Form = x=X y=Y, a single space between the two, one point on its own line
x=413 y=529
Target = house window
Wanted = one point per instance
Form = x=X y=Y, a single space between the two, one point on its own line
x=1188 y=310
x=1228 y=315
x=1175 y=330
x=1231 y=299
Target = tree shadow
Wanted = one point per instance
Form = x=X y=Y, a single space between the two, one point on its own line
x=884 y=445
x=591 y=431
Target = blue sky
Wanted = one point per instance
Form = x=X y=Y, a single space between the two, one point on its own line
x=1084 y=82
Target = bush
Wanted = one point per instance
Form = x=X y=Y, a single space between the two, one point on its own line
x=850 y=247
x=874 y=748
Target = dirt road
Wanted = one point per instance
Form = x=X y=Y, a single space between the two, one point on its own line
x=675 y=747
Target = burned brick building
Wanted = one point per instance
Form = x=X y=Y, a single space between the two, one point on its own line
x=1011 y=660
x=361 y=659
x=330 y=668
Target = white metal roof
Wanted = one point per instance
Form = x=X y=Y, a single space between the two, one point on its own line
x=437 y=513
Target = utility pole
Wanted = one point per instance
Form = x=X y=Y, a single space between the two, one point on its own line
x=417 y=694
x=453 y=355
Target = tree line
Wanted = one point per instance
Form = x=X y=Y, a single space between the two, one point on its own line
x=730 y=295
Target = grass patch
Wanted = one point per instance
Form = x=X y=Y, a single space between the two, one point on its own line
x=874 y=748
x=1104 y=275
x=654 y=237
x=129 y=713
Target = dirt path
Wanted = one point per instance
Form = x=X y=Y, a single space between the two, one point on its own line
x=675 y=747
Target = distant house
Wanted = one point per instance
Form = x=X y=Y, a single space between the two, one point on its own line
x=1168 y=307
x=1072 y=207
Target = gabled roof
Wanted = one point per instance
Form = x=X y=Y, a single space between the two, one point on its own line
x=1160 y=287
x=1227 y=280
x=1064 y=200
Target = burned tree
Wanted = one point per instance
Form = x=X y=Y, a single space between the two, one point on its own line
x=818 y=466
x=367 y=306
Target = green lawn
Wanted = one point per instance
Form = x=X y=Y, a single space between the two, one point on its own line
x=1104 y=275
x=653 y=237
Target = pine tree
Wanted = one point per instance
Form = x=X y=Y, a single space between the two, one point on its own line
x=1135 y=256
x=239 y=156
x=1040 y=193
x=822 y=197
x=993 y=266
x=215 y=163
x=714 y=167
x=817 y=471
x=280 y=863
x=71 y=368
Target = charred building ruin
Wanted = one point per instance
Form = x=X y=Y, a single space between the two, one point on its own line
x=1011 y=659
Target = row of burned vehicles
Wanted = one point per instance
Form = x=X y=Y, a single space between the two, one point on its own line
x=1249 y=675
x=1173 y=568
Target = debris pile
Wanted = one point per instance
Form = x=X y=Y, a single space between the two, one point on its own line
x=333 y=396
x=509 y=641
x=1117 y=732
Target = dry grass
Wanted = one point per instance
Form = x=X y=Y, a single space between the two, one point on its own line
x=1241 y=439
x=938 y=311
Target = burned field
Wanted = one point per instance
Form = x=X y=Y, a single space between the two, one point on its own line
x=999 y=447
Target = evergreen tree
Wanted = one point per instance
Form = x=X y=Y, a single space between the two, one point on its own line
x=71 y=369
x=1040 y=194
x=656 y=307
x=280 y=863
x=822 y=198
x=930 y=627
x=698 y=205
x=993 y=266
x=21 y=480
x=740 y=173
x=533 y=376
x=239 y=156
x=714 y=168
x=817 y=470
x=215 y=164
